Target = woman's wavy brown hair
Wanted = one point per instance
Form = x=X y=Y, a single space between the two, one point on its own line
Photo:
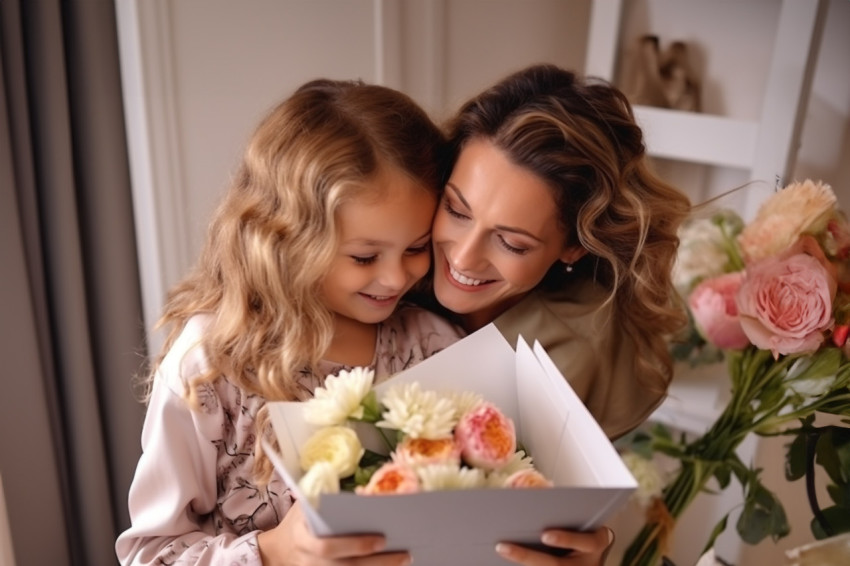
x=580 y=136
x=274 y=235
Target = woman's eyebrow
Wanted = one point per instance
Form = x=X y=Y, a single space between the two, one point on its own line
x=512 y=229
x=458 y=194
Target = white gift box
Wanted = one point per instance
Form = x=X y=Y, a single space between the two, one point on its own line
x=463 y=527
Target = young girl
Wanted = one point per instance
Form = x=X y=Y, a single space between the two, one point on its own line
x=325 y=228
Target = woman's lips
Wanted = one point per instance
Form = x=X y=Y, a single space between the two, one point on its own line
x=461 y=281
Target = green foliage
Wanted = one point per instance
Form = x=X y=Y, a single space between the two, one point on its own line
x=829 y=448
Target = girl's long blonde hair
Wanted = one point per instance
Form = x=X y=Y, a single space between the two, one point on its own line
x=273 y=237
x=580 y=136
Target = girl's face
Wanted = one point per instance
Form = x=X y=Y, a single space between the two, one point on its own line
x=496 y=234
x=384 y=248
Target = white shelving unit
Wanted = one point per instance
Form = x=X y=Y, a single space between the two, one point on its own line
x=766 y=148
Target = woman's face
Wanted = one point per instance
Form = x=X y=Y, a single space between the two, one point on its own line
x=496 y=234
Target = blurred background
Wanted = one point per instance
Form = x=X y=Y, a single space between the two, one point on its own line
x=125 y=120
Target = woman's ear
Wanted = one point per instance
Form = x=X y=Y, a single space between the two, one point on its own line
x=572 y=254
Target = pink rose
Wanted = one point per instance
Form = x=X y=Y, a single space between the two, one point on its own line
x=785 y=303
x=391 y=479
x=712 y=304
x=486 y=436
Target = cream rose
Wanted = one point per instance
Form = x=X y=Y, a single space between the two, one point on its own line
x=785 y=304
x=797 y=209
x=321 y=478
x=336 y=445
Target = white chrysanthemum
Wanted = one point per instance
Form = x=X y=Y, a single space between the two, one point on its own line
x=340 y=398
x=649 y=478
x=450 y=476
x=319 y=479
x=464 y=402
x=702 y=254
x=417 y=413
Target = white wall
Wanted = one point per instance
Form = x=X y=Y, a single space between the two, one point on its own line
x=199 y=74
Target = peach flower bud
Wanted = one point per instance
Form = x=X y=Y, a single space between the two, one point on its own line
x=486 y=436
x=527 y=478
x=712 y=303
x=839 y=335
x=391 y=478
x=424 y=451
x=785 y=304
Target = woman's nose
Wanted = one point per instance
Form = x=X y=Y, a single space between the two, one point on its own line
x=467 y=253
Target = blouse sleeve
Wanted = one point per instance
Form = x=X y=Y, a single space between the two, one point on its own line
x=174 y=491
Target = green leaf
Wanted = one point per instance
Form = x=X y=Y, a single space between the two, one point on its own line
x=837 y=517
x=839 y=494
x=715 y=532
x=827 y=457
x=763 y=516
x=724 y=476
x=795 y=458
x=371 y=408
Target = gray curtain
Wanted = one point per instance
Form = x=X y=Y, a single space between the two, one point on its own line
x=71 y=332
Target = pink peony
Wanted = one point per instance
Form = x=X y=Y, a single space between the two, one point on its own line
x=527 y=479
x=785 y=303
x=486 y=436
x=712 y=303
x=390 y=479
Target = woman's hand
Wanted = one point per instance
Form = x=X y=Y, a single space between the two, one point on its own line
x=291 y=543
x=584 y=549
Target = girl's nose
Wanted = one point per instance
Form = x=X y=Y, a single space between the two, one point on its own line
x=393 y=275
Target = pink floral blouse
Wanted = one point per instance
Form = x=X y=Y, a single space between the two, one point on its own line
x=193 y=500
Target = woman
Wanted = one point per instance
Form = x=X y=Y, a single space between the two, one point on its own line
x=553 y=227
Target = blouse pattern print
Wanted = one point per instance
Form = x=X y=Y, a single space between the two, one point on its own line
x=225 y=420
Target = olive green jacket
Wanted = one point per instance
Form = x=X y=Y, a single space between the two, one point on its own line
x=589 y=346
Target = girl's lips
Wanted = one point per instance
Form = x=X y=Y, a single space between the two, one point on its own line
x=463 y=282
x=380 y=300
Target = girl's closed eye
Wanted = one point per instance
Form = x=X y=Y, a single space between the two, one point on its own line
x=364 y=260
x=420 y=249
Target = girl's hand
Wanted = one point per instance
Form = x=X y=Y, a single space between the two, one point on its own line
x=291 y=543
x=584 y=549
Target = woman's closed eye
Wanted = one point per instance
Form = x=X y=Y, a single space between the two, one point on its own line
x=452 y=211
x=513 y=249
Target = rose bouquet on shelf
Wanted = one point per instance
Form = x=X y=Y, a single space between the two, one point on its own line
x=433 y=441
x=772 y=299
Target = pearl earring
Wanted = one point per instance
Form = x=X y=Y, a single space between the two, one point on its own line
x=568 y=267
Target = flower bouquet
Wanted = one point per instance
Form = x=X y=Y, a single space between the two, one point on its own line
x=455 y=510
x=435 y=442
x=772 y=298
